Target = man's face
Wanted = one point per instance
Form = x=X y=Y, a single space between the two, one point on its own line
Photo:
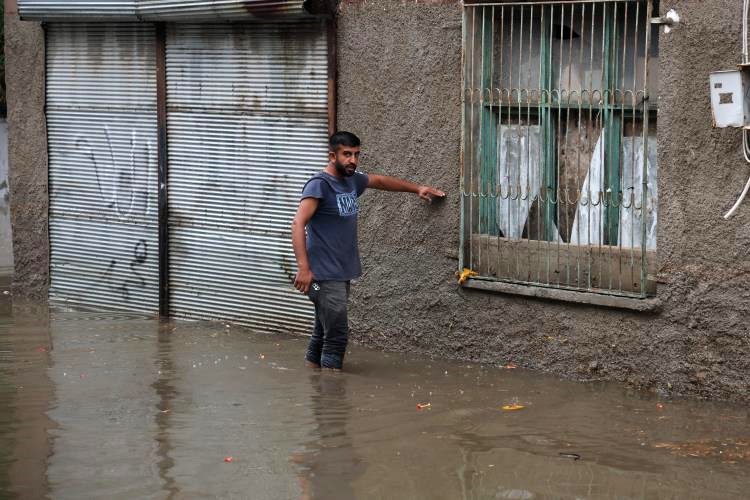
x=346 y=159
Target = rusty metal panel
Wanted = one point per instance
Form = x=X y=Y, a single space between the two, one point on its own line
x=101 y=119
x=248 y=124
x=192 y=10
x=157 y=10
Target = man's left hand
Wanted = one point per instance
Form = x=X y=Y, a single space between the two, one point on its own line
x=428 y=193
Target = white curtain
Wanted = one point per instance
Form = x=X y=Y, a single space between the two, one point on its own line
x=519 y=164
x=588 y=225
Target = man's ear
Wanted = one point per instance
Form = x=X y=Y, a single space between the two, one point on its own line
x=331 y=155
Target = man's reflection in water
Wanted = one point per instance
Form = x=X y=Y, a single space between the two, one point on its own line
x=328 y=466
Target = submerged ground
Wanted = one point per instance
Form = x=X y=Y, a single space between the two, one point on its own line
x=108 y=405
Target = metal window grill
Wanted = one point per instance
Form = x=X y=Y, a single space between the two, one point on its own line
x=558 y=163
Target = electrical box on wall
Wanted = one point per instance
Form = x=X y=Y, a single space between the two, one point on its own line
x=730 y=98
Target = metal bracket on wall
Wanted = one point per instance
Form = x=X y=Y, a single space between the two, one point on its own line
x=669 y=20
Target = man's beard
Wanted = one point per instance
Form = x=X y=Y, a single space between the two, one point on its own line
x=341 y=169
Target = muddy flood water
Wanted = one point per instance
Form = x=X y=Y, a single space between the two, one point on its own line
x=120 y=406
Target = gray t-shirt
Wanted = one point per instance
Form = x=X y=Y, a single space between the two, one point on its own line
x=332 y=231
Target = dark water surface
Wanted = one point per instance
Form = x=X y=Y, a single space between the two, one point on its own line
x=118 y=406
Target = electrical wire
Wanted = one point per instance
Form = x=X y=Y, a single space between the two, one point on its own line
x=739 y=200
x=745 y=145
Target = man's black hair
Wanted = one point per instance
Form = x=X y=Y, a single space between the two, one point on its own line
x=346 y=139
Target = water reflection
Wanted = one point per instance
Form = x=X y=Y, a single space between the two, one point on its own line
x=114 y=405
x=26 y=393
x=166 y=392
x=103 y=372
x=329 y=465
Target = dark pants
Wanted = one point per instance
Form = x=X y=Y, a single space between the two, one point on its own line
x=331 y=334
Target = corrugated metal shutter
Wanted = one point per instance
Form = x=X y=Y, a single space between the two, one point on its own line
x=45 y=10
x=179 y=10
x=101 y=118
x=248 y=123
x=157 y=10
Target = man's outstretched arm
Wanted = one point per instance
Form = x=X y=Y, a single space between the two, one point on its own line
x=386 y=183
x=306 y=210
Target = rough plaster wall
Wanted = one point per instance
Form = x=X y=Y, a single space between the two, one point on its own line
x=399 y=89
x=704 y=260
x=27 y=151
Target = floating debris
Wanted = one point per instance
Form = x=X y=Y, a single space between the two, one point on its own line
x=513 y=407
x=729 y=450
x=229 y=459
x=510 y=366
x=572 y=456
x=465 y=275
x=423 y=406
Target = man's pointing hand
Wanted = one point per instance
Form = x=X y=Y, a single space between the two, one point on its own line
x=428 y=193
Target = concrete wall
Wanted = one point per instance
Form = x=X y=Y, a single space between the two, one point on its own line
x=27 y=154
x=399 y=89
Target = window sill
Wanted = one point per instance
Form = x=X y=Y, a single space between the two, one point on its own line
x=590 y=298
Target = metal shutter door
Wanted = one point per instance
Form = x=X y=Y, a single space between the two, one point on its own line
x=247 y=125
x=101 y=118
x=157 y=10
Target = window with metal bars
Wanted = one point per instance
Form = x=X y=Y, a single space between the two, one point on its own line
x=558 y=179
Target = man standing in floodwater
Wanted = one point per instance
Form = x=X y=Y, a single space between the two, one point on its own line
x=327 y=253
